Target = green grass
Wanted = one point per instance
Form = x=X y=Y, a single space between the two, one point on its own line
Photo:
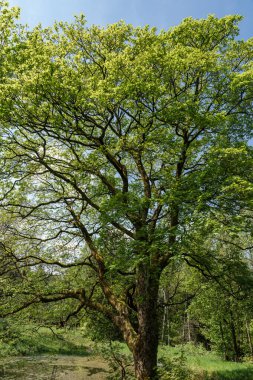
x=32 y=341
x=209 y=366
x=219 y=369
x=29 y=340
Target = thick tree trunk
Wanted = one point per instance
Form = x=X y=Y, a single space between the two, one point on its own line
x=145 y=362
x=145 y=350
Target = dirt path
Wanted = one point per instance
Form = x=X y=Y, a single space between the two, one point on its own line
x=53 y=368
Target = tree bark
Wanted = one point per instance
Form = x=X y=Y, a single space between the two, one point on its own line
x=223 y=343
x=146 y=347
x=237 y=354
x=189 y=327
x=249 y=337
x=165 y=336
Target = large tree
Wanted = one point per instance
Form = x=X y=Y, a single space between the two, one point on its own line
x=122 y=149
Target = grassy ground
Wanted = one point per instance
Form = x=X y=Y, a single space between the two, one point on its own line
x=31 y=340
x=203 y=365
x=209 y=366
x=193 y=363
x=29 y=352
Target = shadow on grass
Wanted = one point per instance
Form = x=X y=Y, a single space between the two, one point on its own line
x=51 y=346
x=235 y=374
x=66 y=348
x=94 y=370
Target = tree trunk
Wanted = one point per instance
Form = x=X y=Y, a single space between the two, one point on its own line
x=237 y=355
x=165 y=333
x=189 y=327
x=223 y=343
x=145 y=350
x=249 y=337
x=145 y=362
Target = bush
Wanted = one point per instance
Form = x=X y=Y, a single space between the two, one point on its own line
x=174 y=368
x=120 y=362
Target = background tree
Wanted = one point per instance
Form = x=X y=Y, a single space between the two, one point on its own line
x=115 y=145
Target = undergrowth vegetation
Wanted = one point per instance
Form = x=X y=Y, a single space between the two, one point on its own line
x=185 y=362
x=189 y=362
x=18 y=339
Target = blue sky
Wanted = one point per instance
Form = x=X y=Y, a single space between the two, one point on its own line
x=160 y=13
